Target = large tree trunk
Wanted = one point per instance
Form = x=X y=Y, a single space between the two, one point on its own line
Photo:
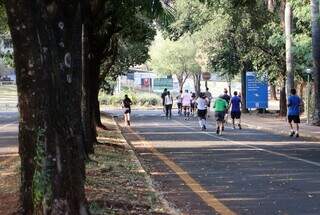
x=89 y=133
x=273 y=92
x=47 y=59
x=197 y=83
x=316 y=59
x=247 y=66
x=289 y=60
x=283 y=99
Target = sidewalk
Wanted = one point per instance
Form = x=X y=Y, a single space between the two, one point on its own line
x=279 y=125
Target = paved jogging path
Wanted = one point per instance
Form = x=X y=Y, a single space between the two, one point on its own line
x=242 y=172
x=8 y=133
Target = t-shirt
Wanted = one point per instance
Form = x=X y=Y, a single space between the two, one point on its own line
x=294 y=103
x=226 y=97
x=235 y=102
x=201 y=104
x=168 y=100
x=220 y=105
x=127 y=103
x=186 y=98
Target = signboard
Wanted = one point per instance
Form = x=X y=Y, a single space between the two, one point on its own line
x=256 y=91
x=206 y=76
x=160 y=83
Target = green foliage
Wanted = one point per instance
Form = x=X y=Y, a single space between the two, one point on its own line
x=41 y=187
x=138 y=99
x=174 y=57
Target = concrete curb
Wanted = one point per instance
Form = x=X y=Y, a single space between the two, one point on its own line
x=170 y=209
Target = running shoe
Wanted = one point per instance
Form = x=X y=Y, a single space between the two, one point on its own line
x=292 y=133
x=297 y=135
x=239 y=126
x=218 y=131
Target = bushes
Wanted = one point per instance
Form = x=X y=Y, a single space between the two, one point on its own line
x=139 y=99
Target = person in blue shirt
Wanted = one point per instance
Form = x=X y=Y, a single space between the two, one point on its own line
x=294 y=103
x=235 y=109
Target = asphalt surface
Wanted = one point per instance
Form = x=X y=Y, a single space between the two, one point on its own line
x=8 y=133
x=248 y=171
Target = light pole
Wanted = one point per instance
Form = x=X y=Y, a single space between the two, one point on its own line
x=309 y=72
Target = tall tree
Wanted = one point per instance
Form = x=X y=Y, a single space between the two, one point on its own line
x=46 y=37
x=316 y=58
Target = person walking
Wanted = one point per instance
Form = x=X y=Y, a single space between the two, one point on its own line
x=227 y=98
x=179 y=102
x=209 y=99
x=193 y=104
x=186 y=100
x=220 y=107
x=294 y=104
x=202 y=104
x=235 y=109
x=168 y=104
x=163 y=95
x=126 y=105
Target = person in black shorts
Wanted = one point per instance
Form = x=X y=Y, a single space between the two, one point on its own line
x=226 y=97
x=294 y=103
x=126 y=105
x=202 y=104
x=235 y=109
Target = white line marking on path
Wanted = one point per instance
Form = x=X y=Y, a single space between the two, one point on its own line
x=7 y=125
x=253 y=147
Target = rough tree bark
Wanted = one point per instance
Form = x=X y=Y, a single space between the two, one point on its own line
x=46 y=38
x=197 y=83
x=289 y=56
x=273 y=92
x=283 y=99
x=88 y=126
x=316 y=59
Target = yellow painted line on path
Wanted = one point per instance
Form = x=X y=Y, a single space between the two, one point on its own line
x=208 y=198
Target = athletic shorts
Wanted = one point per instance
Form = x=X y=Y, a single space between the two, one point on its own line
x=219 y=115
x=202 y=114
x=193 y=105
x=179 y=105
x=294 y=118
x=127 y=110
x=235 y=115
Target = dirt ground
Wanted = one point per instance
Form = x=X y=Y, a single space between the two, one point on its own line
x=115 y=183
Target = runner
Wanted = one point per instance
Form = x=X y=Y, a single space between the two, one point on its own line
x=126 y=105
x=209 y=98
x=235 y=109
x=163 y=95
x=227 y=98
x=294 y=103
x=179 y=102
x=168 y=103
x=193 y=104
x=220 y=107
x=186 y=99
x=202 y=104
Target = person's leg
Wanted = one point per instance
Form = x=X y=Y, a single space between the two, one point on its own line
x=167 y=110
x=291 y=126
x=233 y=120
x=125 y=119
x=170 y=111
x=128 y=117
x=297 y=131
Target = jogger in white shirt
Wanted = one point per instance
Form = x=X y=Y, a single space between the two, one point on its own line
x=186 y=101
x=202 y=104
x=168 y=101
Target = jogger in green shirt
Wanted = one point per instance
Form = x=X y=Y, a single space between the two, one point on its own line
x=220 y=107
